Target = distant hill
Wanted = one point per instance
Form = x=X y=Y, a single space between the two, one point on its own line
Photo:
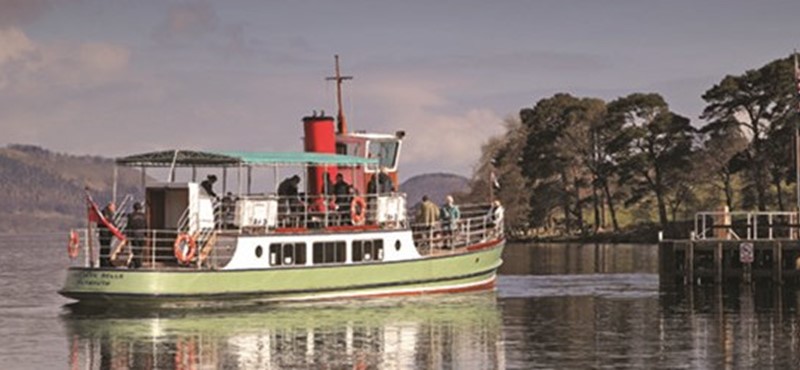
x=436 y=185
x=42 y=191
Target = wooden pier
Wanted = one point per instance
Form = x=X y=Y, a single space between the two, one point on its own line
x=734 y=247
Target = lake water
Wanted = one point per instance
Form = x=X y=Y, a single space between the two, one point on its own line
x=556 y=306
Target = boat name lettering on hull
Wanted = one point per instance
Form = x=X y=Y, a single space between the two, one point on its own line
x=89 y=278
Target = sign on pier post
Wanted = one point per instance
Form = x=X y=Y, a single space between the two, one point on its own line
x=746 y=253
x=746 y=257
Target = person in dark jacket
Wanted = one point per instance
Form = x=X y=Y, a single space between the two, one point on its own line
x=289 y=187
x=288 y=193
x=105 y=234
x=136 y=230
x=384 y=183
x=344 y=195
x=208 y=185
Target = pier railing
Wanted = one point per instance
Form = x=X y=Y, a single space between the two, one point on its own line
x=723 y=225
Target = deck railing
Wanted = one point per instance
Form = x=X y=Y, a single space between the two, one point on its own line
x=155 y=248
x=476 y=225
x=723 y=225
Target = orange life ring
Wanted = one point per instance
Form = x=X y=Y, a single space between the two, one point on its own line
x=358 y=211
x=186 y=257
x=73 y=244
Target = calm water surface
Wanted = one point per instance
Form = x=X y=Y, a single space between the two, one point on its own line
x=556 y=306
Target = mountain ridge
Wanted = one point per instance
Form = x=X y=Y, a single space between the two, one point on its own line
x=43 y=191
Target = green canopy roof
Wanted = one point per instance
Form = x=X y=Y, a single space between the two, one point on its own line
x=188 y=158
x=271 y=158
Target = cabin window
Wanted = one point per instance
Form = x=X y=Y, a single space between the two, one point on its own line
x=287 y=254
x=341 y=148
x=367 y=250
x=385 y=151
x=329 y=252
x=349 y=149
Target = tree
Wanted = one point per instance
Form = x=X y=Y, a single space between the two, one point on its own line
x=754 y=102
x=557 y=152
x=502 y=155
x=653 y=148
x=721 y=160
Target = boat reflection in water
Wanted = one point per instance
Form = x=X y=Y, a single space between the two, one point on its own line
x=460 y=331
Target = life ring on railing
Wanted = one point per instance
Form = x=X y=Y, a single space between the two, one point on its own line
x=188 y=240
x=73 y=244
x=358 y=211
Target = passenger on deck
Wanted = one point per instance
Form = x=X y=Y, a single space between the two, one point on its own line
x=344 y=195
x=289 y=186
x=427 y=218
x=208 y=185
x=105 y=234
x=228 y=207
x=496 y=214
x=384 y=184
x=136 y=230
x=450 y=215
x=288 y=193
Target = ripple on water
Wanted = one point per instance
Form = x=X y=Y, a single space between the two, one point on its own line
x=596 y=285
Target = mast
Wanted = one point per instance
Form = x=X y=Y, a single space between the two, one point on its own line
x=342 y=127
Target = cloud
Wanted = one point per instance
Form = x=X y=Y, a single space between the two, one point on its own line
x=103 y=58
x=29 y=68
x=18 y=56
x=49 y=89
x=15 y=13
x=442 y=135
x=449 y=142
x=16 y=45
x=185 y=22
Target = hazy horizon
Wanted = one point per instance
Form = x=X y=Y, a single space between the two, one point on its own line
x=92 y=77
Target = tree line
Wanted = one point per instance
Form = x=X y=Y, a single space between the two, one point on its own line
x=578 y=165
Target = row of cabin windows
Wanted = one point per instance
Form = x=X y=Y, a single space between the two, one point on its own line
x=288 y=254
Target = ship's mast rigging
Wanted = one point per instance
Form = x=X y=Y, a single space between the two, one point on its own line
x=342 y=123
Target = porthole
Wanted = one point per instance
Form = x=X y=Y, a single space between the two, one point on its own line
x=397 y=245
x=259 y=251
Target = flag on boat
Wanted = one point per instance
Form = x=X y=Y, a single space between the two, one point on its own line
x=493 y=179
x=94 y=215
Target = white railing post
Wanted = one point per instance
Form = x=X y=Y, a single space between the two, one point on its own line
x=755 y=227
x=769 y=220
x=153 y=245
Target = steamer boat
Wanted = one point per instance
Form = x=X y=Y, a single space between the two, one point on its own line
x=267 y=246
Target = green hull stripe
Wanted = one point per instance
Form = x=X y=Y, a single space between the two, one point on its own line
x=351 y=291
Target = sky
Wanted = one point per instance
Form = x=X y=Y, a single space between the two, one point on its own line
x=113 y=77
